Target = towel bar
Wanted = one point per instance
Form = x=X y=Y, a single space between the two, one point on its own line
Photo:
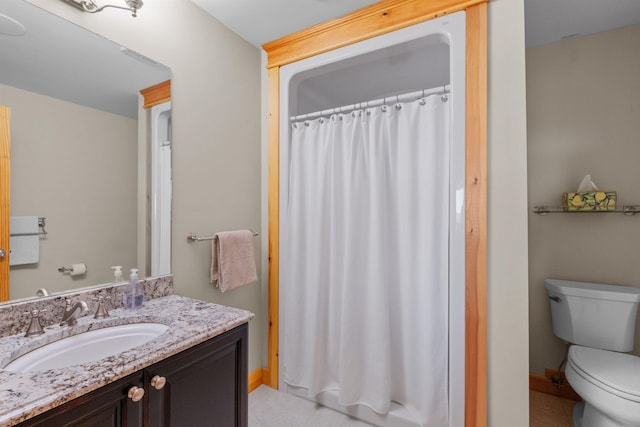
x=41 y=223
x=193 y=238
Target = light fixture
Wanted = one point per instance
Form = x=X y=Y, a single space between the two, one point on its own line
x=91 y=6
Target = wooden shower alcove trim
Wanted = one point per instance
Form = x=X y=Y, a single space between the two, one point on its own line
x=157 y=94
x=380 y=18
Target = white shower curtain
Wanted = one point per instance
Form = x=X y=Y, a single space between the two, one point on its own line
x=365 y=258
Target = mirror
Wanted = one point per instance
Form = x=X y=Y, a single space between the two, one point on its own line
x=79 y=134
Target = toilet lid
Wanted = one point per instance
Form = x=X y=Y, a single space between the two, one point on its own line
x=618 y=372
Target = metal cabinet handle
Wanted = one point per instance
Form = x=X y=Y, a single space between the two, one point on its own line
x=2 y=253
x=158 y=382
x=136 y=393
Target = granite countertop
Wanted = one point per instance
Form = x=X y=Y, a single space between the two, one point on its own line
x=24 y=395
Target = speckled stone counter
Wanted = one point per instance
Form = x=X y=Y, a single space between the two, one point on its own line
x=24 y=395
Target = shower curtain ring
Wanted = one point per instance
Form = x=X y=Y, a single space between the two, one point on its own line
x=423 y=100
x=445 y=96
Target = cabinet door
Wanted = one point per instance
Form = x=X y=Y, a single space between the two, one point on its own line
x=109 y=406
x=206 y=386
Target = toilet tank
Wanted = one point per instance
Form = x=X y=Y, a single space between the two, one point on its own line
x=592 y=314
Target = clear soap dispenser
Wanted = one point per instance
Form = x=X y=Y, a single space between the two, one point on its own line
x=117 y=274
x=133 y=294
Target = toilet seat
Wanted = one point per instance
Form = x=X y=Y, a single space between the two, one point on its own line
x=617 y=373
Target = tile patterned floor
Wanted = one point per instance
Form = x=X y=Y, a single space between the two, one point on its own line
x=270 y=408
x=546 y=410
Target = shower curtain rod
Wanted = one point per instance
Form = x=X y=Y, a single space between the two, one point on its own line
x=373 y=103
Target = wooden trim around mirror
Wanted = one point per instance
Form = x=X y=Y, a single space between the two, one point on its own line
x=380 y=18
x=5 y=191
x=157 y=94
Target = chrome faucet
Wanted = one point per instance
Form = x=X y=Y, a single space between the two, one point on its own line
x=69 y=318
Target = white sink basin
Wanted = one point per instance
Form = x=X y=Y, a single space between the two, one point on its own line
x=87 y=347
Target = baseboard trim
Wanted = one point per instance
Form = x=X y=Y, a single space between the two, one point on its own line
x=257 y=378
x=543 y=384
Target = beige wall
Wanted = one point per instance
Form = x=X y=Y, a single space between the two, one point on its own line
x=217 y=167
x=508 y=396
x=76 y=166
x=216 y=133
x=583 y=118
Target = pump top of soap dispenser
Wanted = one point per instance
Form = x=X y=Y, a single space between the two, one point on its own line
x=134 y=273
x=117 y=274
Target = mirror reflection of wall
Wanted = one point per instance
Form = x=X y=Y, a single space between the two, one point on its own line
x=75 y=152
x=74 y=166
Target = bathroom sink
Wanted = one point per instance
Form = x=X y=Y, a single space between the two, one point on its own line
x=87 y=347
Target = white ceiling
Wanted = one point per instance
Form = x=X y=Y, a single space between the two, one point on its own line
x=261 y=21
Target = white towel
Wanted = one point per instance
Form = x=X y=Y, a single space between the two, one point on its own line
x=24 y=240
x=232 y=260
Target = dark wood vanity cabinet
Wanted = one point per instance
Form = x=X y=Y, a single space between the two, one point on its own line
x=108 y=406
x=204 y=386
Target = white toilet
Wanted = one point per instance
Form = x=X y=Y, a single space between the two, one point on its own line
x=600 y=321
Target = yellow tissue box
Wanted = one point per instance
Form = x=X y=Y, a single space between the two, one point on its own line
x=590 y=201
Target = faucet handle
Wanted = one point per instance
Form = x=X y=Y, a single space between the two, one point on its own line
x=35 y=327
x=101 y=311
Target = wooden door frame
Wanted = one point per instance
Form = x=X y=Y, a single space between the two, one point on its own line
x=377 y=19
x=5 y=192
